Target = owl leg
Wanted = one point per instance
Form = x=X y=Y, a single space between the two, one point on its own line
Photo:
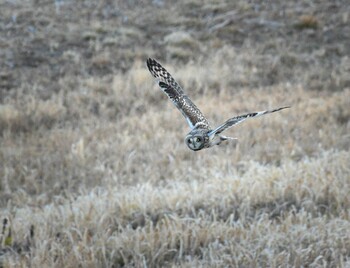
x=220 y=139
x=224 y=138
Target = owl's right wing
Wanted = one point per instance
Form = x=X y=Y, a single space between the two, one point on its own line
x=238 y=119
x=172 y=89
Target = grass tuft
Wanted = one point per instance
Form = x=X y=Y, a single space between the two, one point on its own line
x=94 y=170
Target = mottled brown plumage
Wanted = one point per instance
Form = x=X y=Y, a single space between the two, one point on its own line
x=201 y=136
x=168 y=84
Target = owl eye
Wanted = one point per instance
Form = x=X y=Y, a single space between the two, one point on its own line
x=198 y=139
x=189 y=141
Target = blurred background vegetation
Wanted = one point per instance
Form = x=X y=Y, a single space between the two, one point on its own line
x=81 y=119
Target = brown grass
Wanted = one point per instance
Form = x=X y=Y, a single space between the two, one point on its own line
x=307 y=21
x=95 y=173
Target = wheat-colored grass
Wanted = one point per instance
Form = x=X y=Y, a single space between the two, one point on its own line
x=95 y=173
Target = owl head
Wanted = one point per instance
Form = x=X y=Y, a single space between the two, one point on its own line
x=196 y=140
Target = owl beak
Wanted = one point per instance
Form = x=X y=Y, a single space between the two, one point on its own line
x=193 y=144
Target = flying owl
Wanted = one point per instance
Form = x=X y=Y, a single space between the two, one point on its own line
x=201 y=135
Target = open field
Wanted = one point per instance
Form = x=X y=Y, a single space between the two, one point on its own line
x=94 y=170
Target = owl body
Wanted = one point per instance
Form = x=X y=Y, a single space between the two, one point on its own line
x=199 y=138
x=201 y=135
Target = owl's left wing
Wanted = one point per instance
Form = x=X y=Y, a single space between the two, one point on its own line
x=172 y=89
x=238 y=119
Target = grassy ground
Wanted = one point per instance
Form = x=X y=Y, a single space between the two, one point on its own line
x=94 y=170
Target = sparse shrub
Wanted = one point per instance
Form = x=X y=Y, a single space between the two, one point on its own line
x=307 y=21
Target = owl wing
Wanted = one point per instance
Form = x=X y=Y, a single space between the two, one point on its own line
x=238 y=119
x=171 y=88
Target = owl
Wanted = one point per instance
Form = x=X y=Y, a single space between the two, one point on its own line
x=201 y=136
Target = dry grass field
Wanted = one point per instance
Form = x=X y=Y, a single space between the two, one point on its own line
x=94 y=170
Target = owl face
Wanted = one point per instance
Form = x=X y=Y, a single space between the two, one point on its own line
x=196 y=140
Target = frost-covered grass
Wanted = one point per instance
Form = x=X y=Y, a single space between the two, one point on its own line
x=95 y=173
